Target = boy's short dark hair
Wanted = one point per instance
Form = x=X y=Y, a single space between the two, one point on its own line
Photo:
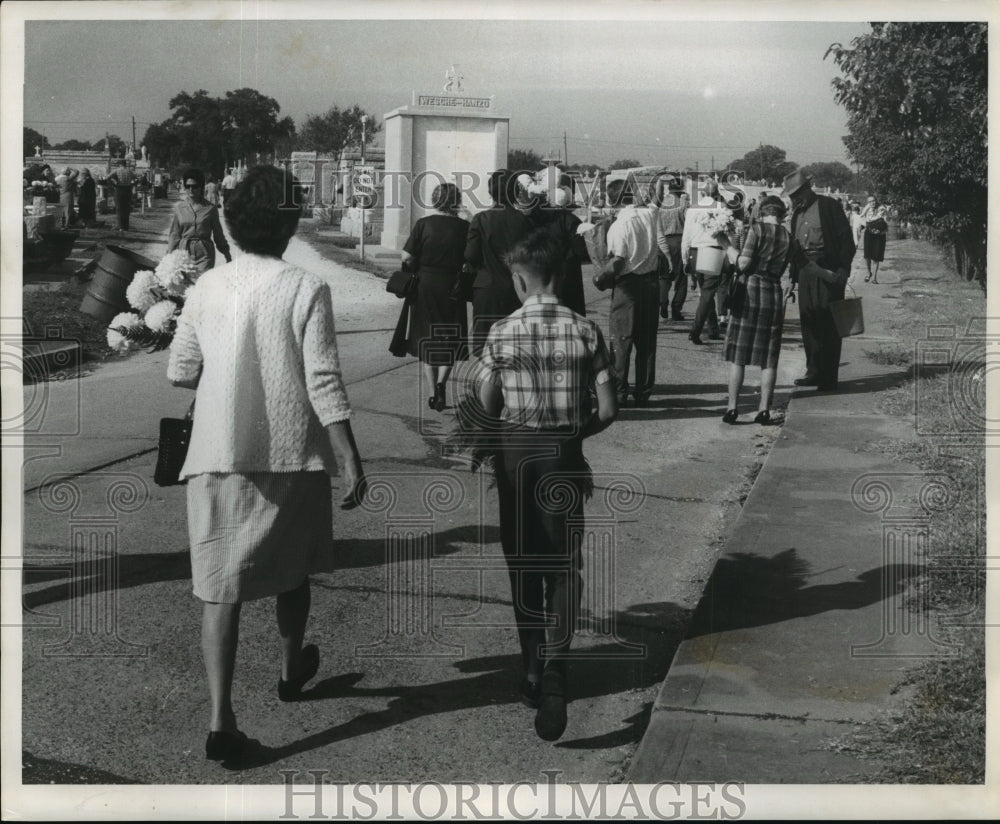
x=772 y=206
x=538 y=254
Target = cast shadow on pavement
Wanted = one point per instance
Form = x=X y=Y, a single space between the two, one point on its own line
x=857 y=386
x=659 y=628
x=748 y=590
x=140 y=569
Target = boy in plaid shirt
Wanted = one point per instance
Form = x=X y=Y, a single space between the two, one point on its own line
x=538 y=369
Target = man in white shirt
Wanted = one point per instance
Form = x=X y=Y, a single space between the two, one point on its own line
x=635 y=297
x=697 y=237
x=228 y=184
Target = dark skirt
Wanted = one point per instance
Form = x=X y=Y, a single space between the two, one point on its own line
x=754 y=336
x=874 y=246
x=439 y=330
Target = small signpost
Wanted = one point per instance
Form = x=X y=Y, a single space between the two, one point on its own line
x=363 y=186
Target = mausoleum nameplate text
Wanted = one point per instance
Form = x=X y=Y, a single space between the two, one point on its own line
x=450 y=100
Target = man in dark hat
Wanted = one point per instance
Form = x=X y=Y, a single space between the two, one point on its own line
x=673 y=208
x=823 y=247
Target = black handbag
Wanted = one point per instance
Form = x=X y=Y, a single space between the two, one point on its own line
x=402 y=284
x=175 y=437
x=736 y=298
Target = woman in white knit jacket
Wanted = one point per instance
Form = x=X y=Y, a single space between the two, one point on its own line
x=256 y=338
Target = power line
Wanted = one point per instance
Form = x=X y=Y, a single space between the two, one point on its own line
x=630 y=143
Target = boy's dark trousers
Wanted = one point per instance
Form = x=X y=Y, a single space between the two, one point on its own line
x=633 y=321
x=538 y=483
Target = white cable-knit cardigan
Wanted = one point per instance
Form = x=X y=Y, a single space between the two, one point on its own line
x=258 y=336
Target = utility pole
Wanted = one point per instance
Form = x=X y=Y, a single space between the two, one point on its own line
x=565 y=151
x=760 y=154
x=133 y=134
x=364 y=119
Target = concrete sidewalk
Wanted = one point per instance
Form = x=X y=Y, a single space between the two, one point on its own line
x=802 y=631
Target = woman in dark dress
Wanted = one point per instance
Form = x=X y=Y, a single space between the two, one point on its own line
x=435 y=250
x=87 y=198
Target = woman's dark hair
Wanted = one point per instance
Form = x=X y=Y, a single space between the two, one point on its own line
x=194 y=174
x=446 y=197
x=772 y=206
x=263 y=211
x=539 y=254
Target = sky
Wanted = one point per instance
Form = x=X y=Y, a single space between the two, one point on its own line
x=664 y=92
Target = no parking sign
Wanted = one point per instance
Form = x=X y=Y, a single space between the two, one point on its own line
x=363 y=185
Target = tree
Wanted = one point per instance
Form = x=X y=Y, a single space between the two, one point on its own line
x=73 y=145
x=917 y=100
x=624 y=164
x=524 y=160
x=332 y=132
x=32 y=139
x=834 y=175
x=213 y=133
x=766 y=162
x=251 y=124
x=163 y=145
x=117 y=145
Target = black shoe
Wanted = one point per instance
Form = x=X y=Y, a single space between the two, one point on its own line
x=677 y=316
x=716 y=335
x=291 y=690
x=665 y=311
x=806 y=381
x=730 y=416
x=763 y=418
x=697 y=341
x=550 y=720
x=531 y=693
x=224 y=746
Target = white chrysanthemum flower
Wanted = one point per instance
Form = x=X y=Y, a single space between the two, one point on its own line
x=117 y=341
x=585 y=227
x=140 y=291
x=161 y=316
x=176 y=272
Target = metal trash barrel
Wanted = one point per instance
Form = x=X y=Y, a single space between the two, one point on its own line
x=105 y=296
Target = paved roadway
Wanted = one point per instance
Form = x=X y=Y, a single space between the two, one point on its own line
x=419 y=661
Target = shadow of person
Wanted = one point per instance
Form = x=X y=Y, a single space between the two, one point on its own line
x=748 y=590
x=645 y=637
x=141 y=569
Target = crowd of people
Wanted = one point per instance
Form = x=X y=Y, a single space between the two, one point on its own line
x=272 y=409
